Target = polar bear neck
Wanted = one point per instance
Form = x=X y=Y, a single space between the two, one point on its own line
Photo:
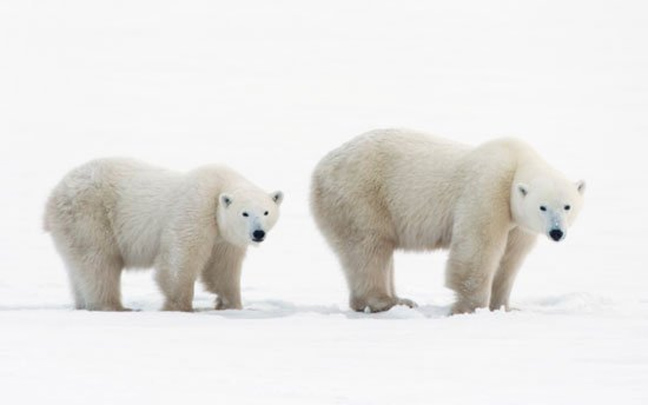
x=532 y=169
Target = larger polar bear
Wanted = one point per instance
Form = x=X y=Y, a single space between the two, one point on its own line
x=112 y=214
x=398 y=189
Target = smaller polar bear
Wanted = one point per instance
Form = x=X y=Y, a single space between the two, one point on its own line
x=398 y=189
x=112 y=214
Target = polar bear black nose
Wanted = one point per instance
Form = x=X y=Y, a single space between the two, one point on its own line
x=258 y=235
x=556 y=234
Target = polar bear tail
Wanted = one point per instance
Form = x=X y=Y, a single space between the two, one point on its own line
x=46 y=216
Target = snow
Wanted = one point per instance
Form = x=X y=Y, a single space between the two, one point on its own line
x=269 y=87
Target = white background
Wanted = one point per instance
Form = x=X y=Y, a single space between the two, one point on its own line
x=269 y=88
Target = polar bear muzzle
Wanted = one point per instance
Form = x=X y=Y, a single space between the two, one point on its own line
x=258 y=235
x=557 y=235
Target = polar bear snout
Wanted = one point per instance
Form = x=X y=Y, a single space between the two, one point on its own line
x=557 y=235
x=258 y=235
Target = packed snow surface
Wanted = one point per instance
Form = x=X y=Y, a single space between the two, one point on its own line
x=269 y=88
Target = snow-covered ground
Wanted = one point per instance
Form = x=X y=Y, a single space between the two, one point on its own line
x=269 y=87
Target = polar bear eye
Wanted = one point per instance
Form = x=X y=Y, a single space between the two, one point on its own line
x=543 y=208
x=265 y=213
x=567 y=207
x=245 y=214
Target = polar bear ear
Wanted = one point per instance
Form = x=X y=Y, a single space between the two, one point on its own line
x=523 y=189
x=225 y=200
x=580 y=186
x=277 y=197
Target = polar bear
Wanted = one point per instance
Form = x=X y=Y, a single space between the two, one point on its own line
x=111 y=214
x=399 y=189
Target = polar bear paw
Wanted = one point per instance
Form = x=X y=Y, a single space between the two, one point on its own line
x=223 y=303
x=174 y=306
x=407 y=302
x=379 y=304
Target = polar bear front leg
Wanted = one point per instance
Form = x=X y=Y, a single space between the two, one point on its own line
x=519 y=244
x=176 y=275
x=470 y=270
x=177 y=286
x=222 y=275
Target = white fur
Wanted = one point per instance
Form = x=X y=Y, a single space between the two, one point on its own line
x=112 y=214
x=397 y=189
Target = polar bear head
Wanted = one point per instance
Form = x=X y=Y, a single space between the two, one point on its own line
x=246 y=216
x=547 y=205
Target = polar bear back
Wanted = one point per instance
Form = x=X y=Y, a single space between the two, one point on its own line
x=404 y=186
x=136 y=204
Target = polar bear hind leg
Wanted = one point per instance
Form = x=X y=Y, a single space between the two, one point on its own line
x=95 y=279
x=93 y=263
x=392 y=287
x=368 y=267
